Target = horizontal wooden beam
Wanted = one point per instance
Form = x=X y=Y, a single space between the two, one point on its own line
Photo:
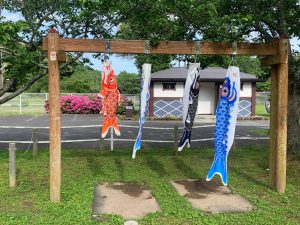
x=281 y=57
x=164 y=47
x=270 y=60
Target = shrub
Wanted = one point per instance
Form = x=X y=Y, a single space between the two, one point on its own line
x=73 y=104
x=92 y=104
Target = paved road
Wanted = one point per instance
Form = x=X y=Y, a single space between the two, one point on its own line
x=79 y=127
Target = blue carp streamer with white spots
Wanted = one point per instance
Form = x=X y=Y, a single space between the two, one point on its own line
x=226 y=116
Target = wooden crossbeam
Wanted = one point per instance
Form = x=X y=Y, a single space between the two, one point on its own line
x=164 y=47
x=281 y=57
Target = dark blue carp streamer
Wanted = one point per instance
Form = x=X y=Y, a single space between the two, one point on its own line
x=190 y=104
x=226 y=116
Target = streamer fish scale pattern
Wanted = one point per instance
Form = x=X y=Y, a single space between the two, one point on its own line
x=222 y=128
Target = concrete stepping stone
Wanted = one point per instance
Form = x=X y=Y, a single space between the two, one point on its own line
x=130 y=200
x=210 y=197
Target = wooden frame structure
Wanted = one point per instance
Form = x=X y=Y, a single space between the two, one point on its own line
x=276 y=55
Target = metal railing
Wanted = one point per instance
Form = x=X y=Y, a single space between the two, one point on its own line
x=261 y=97
x=33 y=103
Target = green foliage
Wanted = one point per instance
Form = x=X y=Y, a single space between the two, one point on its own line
x=83 y=80
x=154 y=168
x=159 y=62
x=25 y=61
x=129 y=83
x=264 y=86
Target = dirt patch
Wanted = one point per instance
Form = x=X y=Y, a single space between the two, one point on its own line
x=211 y=196
x=132 y=189
x=130 y=200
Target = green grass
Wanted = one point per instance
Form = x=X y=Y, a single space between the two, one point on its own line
x=261 y=110
x=29 y=203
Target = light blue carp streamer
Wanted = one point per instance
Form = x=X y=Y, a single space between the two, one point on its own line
x=226 y=116
x=144 y=104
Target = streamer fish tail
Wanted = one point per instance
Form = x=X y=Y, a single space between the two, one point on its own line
x=110 y=122
x=219 y=167
x=138 y=144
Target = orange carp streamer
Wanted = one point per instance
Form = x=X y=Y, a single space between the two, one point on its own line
x=110 y=99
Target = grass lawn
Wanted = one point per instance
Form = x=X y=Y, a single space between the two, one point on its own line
x=261 y=110
x=29 y=203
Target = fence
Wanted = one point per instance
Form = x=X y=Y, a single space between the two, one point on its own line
x=261 y=97
x=172 y=138
x=33 y=103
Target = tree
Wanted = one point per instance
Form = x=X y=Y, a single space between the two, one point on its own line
x=82 y=80
x=129 y=83
x=21 y=41
x=230 y=20
x=215 y=20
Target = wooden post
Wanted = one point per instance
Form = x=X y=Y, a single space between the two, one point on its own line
x=54 y=116
x=282 y=102
x=176 y=139
x=34 y=142
x=273 y=125
x=12 y=164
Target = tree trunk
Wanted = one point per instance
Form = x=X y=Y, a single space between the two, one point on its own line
x=294 y=106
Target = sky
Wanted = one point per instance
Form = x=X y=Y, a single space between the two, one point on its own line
x=120 y=63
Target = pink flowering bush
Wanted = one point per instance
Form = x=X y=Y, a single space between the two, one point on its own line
x=74 y=104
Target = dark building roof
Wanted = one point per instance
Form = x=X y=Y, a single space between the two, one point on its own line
x=208 y=74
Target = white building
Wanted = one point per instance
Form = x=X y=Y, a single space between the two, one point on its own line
x=166 y=92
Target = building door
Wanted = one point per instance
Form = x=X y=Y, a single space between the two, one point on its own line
x=207 y=98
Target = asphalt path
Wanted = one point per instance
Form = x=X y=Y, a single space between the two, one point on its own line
x=83 y=131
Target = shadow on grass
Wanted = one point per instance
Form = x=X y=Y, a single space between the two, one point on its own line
x=94 y=165
x=156 y=166
x=186 y=170
x=120 y=166
x=249 y=178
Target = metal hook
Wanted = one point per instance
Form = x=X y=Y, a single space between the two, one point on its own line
x=197 y=50
x=234 y=48
x=147 y=47
x=107 y=50
x=197 y=47
x=234 y=53
x=107 y=46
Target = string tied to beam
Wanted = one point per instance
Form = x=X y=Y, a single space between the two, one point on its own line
x=107 y=49
x=233 y=54
x=197 y=50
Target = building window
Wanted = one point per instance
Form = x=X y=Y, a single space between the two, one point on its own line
x=169 y=86
x=242 y=86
